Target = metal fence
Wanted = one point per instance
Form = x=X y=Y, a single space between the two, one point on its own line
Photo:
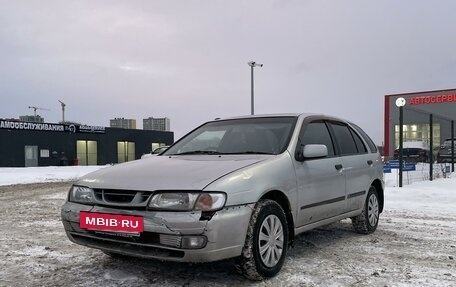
x=423 y=137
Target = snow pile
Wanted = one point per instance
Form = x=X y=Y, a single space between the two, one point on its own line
x=436 y=197
x=24 y=175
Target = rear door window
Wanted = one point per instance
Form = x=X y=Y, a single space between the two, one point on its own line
x=359 y=143
x=344 y=138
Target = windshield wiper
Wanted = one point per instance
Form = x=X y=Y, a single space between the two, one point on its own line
x=197 y=152
x=248 y=152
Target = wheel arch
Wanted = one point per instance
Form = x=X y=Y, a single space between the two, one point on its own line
x=279 y=197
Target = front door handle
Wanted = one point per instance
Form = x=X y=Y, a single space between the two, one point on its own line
x=369 y=162
x=338 y=167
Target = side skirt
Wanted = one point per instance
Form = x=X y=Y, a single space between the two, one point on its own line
x=327 y=221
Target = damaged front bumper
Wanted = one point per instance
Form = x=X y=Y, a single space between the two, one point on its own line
x=166 y=234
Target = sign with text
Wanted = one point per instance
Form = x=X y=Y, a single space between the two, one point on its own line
x=48 y=127
x=409 y=167
x=44 y=153
x=394 y=164
x=450 y=98
x=111 y=222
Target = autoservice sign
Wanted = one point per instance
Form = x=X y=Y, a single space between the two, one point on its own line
x=48 y=127
x=13 y=125
x=437 y=99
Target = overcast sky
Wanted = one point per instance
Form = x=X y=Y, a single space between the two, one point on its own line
x=187 y=60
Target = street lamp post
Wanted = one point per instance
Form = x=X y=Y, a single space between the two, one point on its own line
x=252 y=64
x=400 y=103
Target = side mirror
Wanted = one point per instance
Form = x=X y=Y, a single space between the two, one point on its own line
x=312 y=151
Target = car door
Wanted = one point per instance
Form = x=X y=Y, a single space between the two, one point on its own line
x=356 y=162
x=321 y=183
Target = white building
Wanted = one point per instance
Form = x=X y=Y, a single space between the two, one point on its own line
x=123 y=123
x=157 y=124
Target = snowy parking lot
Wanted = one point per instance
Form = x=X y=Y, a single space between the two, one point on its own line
x=414 y=245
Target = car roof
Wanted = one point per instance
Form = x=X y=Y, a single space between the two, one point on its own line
x=414 y=144
x=280 y=115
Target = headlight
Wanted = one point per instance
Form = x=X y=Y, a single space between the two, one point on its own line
x=188 y=201
x=81 y=194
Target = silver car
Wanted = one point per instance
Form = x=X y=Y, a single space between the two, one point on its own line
x=239 y=188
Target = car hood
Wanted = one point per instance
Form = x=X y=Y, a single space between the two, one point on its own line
x=191 y=172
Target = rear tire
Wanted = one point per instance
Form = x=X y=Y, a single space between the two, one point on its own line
x=367 y=221
x=266 y=242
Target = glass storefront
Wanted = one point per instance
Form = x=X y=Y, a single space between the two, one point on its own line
x=418 y=132
x=87 y=152
x=125 y=151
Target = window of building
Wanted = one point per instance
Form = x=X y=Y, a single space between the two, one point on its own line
x=125 y=151
x=87 y=152
x=418 y=132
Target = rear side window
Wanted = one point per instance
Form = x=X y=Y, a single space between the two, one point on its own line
x=344 y=139
x=367 y=139
x=358 y=141
x=317 y=133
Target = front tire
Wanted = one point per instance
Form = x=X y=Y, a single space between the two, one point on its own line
x=266 y=242
x=367 y=221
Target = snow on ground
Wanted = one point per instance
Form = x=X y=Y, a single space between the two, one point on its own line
x=418 y=193
x=24 y=175
x=414 y=245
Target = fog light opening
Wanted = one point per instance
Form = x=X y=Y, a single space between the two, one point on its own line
x=193 y=242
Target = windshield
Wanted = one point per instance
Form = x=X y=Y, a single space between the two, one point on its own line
x=239 y=136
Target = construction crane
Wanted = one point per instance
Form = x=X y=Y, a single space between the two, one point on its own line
x=63 y=110
x=37 y=108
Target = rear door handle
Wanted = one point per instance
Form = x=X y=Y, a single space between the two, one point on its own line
x=338 y=167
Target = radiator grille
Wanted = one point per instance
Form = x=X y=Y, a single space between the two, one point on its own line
x=122 y=197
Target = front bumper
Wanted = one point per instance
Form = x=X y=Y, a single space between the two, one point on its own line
x=225 y=233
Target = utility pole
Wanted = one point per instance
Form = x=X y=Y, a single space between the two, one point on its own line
x=63 y=110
